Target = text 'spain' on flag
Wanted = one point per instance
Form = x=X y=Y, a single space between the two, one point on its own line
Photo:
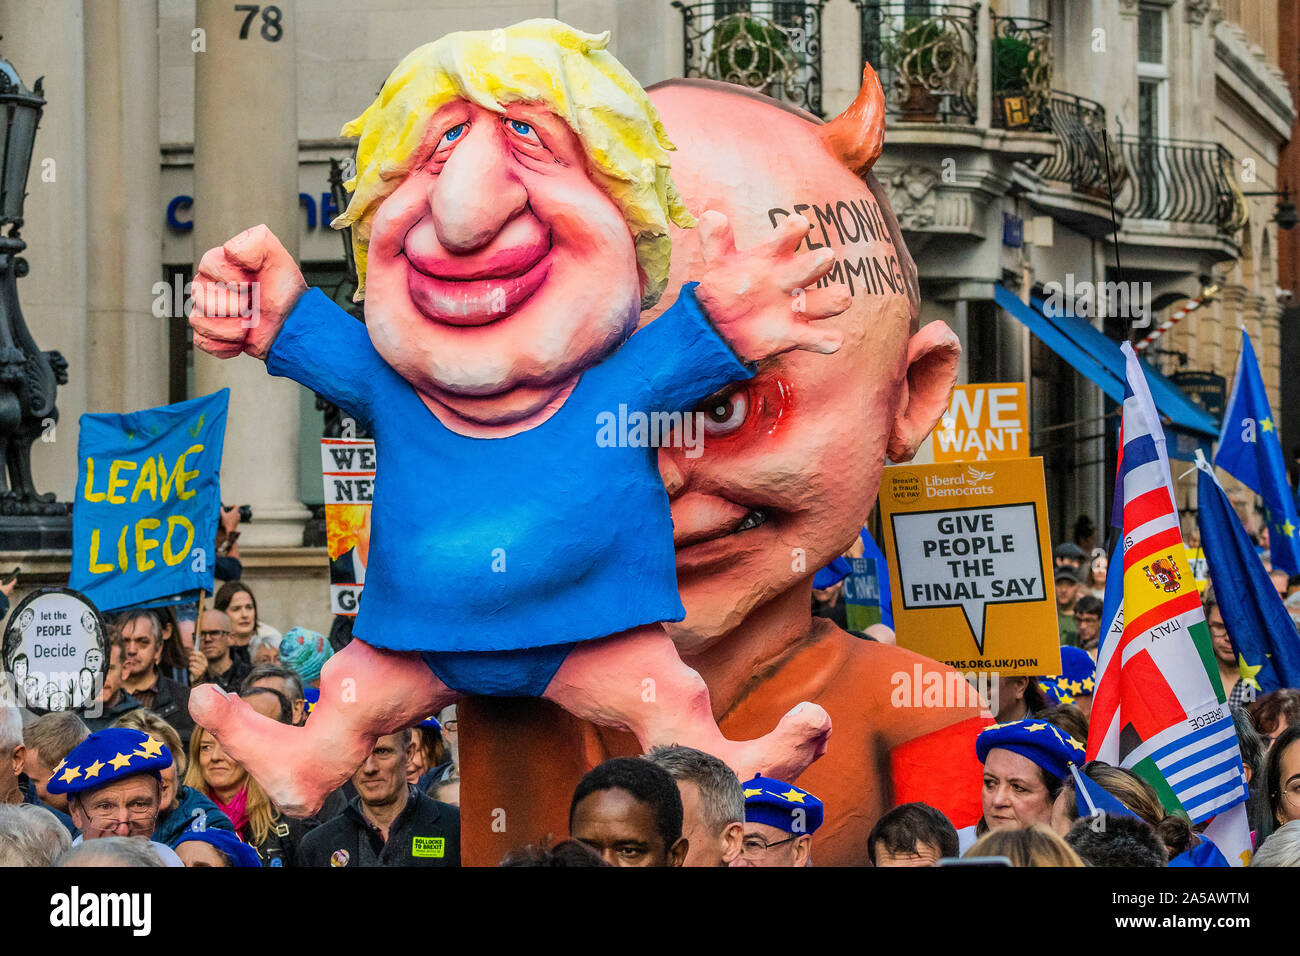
x=1250 y=450
x=1159 y=709
x=1259 y=625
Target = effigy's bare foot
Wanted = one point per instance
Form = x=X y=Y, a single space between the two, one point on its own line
x=296 y=775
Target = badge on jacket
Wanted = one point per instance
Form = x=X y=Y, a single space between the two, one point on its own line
x=428 y=846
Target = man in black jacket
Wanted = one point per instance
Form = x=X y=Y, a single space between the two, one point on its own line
x=389 y=822
x=142 y=644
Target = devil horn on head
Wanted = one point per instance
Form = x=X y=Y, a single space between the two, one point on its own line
x=856 y=136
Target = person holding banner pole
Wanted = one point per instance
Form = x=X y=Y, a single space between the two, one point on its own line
x=213 y=661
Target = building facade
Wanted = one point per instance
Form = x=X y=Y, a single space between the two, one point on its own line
x=173 y=124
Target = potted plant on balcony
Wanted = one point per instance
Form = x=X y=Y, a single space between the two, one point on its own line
x=750 y=52
x=1010 y=65
x=1014 y=63
x=924 y=55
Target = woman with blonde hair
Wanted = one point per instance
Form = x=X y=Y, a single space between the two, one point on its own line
x=257 y=821
x=1034 y=846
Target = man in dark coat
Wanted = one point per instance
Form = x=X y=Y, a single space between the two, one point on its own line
x=389 y=822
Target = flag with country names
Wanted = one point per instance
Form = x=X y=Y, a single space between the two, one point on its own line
x=1159 y=708
x=1250 y=449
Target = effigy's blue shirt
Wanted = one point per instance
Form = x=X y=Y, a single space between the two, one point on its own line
x=541 y=538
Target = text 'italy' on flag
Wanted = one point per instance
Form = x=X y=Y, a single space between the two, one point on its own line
x=1159 y=709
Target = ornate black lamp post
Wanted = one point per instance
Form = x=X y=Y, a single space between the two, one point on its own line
x=337 y=425
x=28 y=376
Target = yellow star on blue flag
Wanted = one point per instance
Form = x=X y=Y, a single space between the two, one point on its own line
x=1248 y=673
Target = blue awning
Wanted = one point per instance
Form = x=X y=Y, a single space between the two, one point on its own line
x=1099 y=359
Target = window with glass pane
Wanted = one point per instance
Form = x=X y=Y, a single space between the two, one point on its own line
x=1148 y=108
x=1151 y=35
x=1148 y=180
x=788 y=13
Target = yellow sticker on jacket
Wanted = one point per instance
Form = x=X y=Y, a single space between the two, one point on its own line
x=428 y=846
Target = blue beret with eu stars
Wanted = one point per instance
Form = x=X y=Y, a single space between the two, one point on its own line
x=109 y=755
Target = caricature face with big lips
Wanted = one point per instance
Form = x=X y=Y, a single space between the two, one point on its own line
x=499 y=269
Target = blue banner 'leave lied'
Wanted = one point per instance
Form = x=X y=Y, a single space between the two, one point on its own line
x=144 y=525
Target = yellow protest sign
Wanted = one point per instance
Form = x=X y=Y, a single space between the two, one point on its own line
x=970 y=564
x=983 y=422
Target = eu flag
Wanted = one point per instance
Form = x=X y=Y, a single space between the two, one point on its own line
x=1262 y=634
x=1251 y=451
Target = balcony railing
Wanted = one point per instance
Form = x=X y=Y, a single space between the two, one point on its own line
x=928 y=57
x=772 y=46
x=1185 y=181
x=925 y=55
x=1021 y=73
x=1081 y=146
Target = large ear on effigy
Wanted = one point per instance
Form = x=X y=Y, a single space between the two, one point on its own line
x=857 y=135
x=932 y=355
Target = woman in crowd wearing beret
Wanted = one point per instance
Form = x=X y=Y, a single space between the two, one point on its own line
x=258 y=823
x=215 y=848
x=1025 y=764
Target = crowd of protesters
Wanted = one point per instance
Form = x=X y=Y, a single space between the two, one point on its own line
x=131 y=781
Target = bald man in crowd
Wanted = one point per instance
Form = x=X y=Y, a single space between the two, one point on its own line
x=211 y=660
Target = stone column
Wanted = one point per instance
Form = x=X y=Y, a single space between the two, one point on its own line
x=44 y=38
x=246 y=173
x=124 y=242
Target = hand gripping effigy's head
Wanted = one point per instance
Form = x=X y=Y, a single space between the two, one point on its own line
x=510 y=210
x=792 y=459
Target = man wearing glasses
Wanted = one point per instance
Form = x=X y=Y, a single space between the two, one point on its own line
x=1240 y=693
x=1087 y=624
x=114 y=786
x=780 y=820
x=211 y=661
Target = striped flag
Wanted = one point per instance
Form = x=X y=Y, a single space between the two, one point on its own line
x=1159 y=709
